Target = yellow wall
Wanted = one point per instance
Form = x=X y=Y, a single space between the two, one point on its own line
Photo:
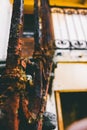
x=72 y=3
x=29 y=4
x=71 y=76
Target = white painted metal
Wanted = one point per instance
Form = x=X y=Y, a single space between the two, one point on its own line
x=5 y=21
x=56 y=26
x=62 y=26
x=70 y=26
x=83 y=19
x=78 y=27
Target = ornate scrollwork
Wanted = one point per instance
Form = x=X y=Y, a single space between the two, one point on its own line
x=74 y=44
x=62 y=44
x=82 y=11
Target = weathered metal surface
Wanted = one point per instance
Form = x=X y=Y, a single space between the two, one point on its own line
x=13 y=80
x=25 y=82
x=43 y=54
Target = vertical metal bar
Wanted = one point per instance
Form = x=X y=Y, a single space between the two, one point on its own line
x=46 y=56
x=44 y=23
x=36 y=25
x=70 y=25
x=56 y=26
x=46 y=28
x=78 y=27
x=63 y=29
x=55 y=19
x=83 y=18
x=13 y=52
x=12 y=75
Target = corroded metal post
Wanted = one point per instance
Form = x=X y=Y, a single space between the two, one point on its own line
x=44 y=55
x=12 y=82
x=36 y=25
x=21 y=102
